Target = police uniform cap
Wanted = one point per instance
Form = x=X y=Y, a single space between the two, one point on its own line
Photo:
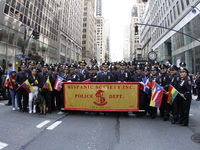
x=94 y=67
x=173 y=67
x=183 y=70
x=93 y=60
x=163 y=66
x=182 y=64
x=39 y=63
x=83 y=63
x=56 y=69
x=50 y=68
x=78 y=66
x=45 y=65
x=155 y=63
x=147 y=64
x=66 y=67
x=146 y=69
x=138 y=67
x=10 y=64
x=154 y=68
x=31 y=63
x=123 y=63
x=72 y=66
x=105 y=64
x=113 y=68
x=131 y=63
x=117 y=62
x=23 y=64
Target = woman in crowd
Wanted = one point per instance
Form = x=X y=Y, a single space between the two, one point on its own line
x=13 y=87
x=33 y=81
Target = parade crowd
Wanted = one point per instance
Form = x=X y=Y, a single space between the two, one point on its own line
x=41 y=75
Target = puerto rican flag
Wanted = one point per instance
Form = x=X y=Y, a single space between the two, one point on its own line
x=145 y=85
x=86 y=81
x=58 y=83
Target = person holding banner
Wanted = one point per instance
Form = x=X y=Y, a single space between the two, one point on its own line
x=139 y=77
x=34 y=83
x=44 y=85
x=22 y=76
x=175 y=77
x=83 y=73
x=153 y=77
x=73 y=76
x=163 y=81
x=184 y=88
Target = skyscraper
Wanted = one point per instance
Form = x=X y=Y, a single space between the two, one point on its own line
x=98 y=7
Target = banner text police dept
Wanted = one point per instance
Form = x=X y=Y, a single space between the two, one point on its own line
x=100 y=87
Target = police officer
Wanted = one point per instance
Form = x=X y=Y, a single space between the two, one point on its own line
x=73 y=76
x=22 y=76
x=153 y=77
x=123 y=75
x=83 y=72
x=30 y=67
x=42 y=78
x=175 y=78
x=55 y=94
x=93 y=73
x=131 y=65
x=184 y=88
x=66 y=72
x=163 y=81
x=39 y=67
x=113 y=70
x=105 y=76
x=182 y=65
x=138 y=77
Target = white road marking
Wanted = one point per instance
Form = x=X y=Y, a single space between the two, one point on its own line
x=191 y=115
x=2 y=104
x=43 y=124
x=51 y=127
x=3 y=145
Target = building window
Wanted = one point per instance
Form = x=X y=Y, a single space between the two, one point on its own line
x=182 y=5
x=187 y=2
x=174 y=10
x=83 y=42
x=84 y=36
x=171 y=16
x=178 y=10
x=84 y=24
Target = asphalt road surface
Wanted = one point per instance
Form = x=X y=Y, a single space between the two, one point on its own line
x=24 y=131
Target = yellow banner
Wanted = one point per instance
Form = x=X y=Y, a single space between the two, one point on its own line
x=101 y=96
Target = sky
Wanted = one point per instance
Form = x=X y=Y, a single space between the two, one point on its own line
x=118 y=12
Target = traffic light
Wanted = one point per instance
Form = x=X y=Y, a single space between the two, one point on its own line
x=35 y=34
x=136 y=30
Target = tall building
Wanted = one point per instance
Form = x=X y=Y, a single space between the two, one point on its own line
x=169 y=45
x=107 y=32
x=101 y=37
x=58 y=22
x=89 y=31
x=135 y=40
x=71 y=26
x=98 y=7
x=126 y=47
x=18 y=17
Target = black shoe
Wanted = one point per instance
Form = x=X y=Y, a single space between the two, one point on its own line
x=126 y=115
x=153 y=117
x=105 y=114
x=165 y=119
x=183 y=124
x=8 y=104
x=173 y=122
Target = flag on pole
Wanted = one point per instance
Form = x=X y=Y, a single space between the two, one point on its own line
x=48 y=85
x=157 y=94
x=145 y=85
x=58 y=83
x=7 y=81
x=27 y=86
x=88 y=80
x=172 y=94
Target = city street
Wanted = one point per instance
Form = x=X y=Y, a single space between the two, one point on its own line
x=23 y=131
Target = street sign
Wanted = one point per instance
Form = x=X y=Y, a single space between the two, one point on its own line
x=20 y=56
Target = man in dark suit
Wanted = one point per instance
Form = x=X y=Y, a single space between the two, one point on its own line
x=83 y=72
